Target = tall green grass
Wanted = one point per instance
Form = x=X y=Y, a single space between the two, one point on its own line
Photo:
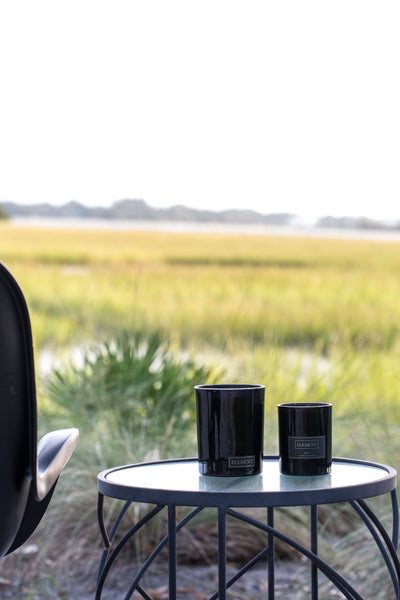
x=211 y=288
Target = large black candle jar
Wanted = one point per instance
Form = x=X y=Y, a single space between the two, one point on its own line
x=230 y=429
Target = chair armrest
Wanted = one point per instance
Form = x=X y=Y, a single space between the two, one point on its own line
x=54 y=451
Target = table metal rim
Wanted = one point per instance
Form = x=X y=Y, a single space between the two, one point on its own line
x=251 y=498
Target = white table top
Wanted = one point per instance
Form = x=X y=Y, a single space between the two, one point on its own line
x=179 y=482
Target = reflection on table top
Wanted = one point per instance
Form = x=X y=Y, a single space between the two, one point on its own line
x=179 y=481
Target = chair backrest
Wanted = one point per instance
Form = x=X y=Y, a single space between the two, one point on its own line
x=18 y=415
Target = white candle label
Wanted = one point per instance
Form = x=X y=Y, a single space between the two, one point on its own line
x=307 y=447
x=242 y=461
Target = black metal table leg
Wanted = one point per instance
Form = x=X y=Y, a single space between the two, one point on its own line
x=314 y=549
x=395 y=513
x=271 y=556
x=172 y=551
x=221 y=554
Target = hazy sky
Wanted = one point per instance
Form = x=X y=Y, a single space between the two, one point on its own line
x=272 y=105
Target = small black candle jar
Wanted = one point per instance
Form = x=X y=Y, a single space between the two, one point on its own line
x=230 y=429
x=305 y=438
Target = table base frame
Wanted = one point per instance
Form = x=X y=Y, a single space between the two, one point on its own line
x=386 y=544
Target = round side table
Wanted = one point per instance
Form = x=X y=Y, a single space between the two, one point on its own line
x=172 y=483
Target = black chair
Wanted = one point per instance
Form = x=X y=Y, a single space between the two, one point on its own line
x=29 y=471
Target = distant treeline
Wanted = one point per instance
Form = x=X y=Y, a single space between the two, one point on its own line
x=140 y=210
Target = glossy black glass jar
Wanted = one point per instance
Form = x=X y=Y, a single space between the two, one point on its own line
x=230 y=429
x=305 y=438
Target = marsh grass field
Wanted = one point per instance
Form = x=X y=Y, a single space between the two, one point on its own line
x=312 y=319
